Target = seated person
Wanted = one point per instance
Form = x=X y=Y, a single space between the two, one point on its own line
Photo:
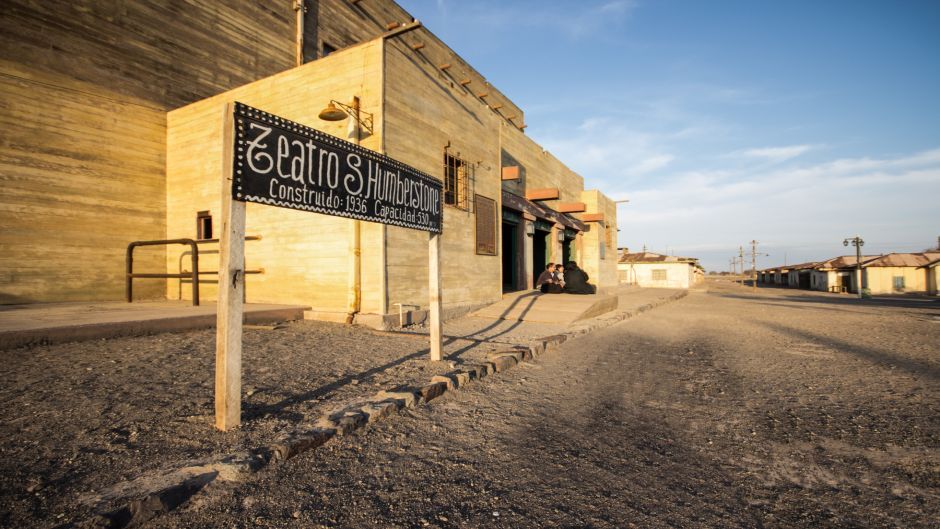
x=546 y=281
x=560 y=275
x=576 y=280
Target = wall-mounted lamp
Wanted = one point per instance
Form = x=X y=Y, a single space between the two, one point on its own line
x=530 y=228
x=336 y=111
x=561 y=235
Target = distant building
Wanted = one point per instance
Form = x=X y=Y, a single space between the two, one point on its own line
x=648 y=269
x=836 y=274
x=933 y=276
x=893 y=273
x=897 y=273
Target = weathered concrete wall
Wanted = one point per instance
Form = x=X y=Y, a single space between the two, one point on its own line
x=600 y=242
x=425 y=111
x=78 y=186
x=539 y=168
x=85 y=86
x=880 y=279
x=340 y=23
x=306 y=256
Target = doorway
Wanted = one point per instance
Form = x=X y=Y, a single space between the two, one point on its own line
x=510 y=259
x=540 y=254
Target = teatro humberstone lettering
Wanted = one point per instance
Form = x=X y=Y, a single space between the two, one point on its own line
x=282 y=163
x=149 y=147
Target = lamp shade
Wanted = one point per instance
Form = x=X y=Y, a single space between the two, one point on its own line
x=333 y=113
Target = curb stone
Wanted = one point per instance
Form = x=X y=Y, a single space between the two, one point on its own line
x=145 y=506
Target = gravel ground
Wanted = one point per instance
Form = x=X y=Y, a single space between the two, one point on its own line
x=82 y=417
x=723 y=409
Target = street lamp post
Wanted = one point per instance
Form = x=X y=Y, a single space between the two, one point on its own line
x=857 y=242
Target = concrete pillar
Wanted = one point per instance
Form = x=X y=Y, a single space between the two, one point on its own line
x=557 y=231
x=527 y=248
x=579 y=246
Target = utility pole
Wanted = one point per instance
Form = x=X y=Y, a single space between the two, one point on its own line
x=741 y=258
x=857 y=242
x=754 y=255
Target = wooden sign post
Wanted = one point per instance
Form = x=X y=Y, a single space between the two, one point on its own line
x=434 y=293
x=228 y=334
x=269 y=160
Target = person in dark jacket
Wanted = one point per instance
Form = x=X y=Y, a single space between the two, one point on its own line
x=547 y=282
x=576 y=280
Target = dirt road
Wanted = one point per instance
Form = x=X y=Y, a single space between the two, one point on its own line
x=724 y=409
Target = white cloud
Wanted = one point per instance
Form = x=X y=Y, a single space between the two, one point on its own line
x=774 y=154
x=805 y=211
x=652 y=163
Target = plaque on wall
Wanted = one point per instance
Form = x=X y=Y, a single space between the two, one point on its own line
x=485 y=209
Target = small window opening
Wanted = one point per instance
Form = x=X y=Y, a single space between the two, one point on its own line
x=203 y=225
x=659 y=274
x=327 y=49
x=456 y=181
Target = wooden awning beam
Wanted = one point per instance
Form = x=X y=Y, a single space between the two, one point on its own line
x=592 y=217
x=548 y=193
x=571 y=207
x=511 y=172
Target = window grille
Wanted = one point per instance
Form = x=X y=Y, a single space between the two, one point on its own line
x=659 y=274
x=457 y=176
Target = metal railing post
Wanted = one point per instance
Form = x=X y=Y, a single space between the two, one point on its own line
x=129 y=279
x=195 y=256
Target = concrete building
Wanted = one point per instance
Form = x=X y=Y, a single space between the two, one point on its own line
x=932 y=269
x=105 y=145
x=799 y=275
x=648 y=269
x=899 y=273
x=836 y=274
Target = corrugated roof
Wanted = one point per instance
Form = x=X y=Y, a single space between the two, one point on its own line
x=902 y=259
x=650 y=257
x=804 y=266
x=845 y=261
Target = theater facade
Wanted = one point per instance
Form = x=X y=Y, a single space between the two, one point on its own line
x=127 y=163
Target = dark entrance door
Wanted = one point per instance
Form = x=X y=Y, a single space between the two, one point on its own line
x=804 y=280
x=539 y=253
x=510 y=249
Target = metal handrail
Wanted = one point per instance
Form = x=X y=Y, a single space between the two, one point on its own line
x=129 y=266
x=193 y=276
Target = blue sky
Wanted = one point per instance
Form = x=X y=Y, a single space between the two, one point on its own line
x=793 y=123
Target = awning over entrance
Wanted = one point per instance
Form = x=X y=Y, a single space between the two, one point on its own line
x=518 y=203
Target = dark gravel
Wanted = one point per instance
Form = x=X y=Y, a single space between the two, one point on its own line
x=726 y=409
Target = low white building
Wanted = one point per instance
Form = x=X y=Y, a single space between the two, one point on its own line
x=648 y=269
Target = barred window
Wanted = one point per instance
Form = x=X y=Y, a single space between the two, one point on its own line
x=659 y=274
x=456 y=181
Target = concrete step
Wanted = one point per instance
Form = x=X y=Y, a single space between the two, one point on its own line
x=71 y=322
x=534 y=306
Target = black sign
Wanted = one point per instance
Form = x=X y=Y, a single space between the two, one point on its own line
x=282 y=163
